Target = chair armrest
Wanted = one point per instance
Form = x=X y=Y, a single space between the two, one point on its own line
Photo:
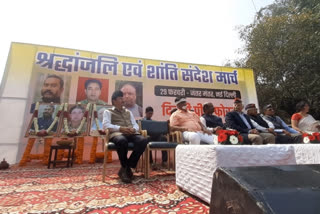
x=143 y=133
x=106 y=138
x=176 y=136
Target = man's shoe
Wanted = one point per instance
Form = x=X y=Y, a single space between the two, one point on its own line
x=123 y=175
x=121 y=171
x=164 y=164
x=129 y=172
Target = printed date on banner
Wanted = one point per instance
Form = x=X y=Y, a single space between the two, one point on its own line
x=168 y=91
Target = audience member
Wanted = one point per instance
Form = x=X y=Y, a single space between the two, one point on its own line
x=241 y=122
x=174 y=128
x=190 y=124
x=301 y=121
x=210 y=121
x=124 y=129
x=260 y=124
x=148 y=113
x=173 y=111
x=280 y=127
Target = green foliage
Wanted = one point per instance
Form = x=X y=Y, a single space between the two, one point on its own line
x=282 y=46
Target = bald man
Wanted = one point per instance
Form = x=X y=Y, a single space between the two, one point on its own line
x=129 y=99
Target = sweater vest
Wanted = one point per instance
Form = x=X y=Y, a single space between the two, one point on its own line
x=260 y=121
x=212 y=121
x=120 y=118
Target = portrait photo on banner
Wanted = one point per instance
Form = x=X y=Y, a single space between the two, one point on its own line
x=74 y=122
x=45 y=119
x=132 y=96
x=92 y=90
x=97 y=118
x=51 y=88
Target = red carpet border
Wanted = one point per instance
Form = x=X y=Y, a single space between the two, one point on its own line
x=80 y=190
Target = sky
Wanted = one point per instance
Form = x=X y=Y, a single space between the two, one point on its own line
x=200 y=32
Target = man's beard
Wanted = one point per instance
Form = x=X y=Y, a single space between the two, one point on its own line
x=51 y=99
x=47 y=116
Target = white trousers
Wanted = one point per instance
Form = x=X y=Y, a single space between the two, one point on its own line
x=196 y=137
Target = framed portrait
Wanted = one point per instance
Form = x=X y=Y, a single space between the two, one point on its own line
x=97 y=118
x=74 y=120
x=132 y=96
x=51 y=88
x=93 y=90
x=45 y=121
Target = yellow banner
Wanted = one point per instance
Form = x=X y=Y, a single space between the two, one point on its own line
x=60 y=75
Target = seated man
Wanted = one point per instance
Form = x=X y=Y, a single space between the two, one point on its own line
x=123 y=129
x=260 y=124
x=189 y=123
x=149 y=114
x=241 y=122
x=210 y=121
x=280 y=127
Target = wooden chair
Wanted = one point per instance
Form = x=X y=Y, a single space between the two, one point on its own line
x=159 y=128
x=93 y=152
x=110 y=146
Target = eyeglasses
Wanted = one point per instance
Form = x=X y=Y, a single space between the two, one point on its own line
x=269 y=109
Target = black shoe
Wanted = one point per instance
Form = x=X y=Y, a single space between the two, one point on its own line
x=164 y=164
x=129 y=172
x=123 y=175
x=121 y=171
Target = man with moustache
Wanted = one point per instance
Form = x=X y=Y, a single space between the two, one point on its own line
x=263 y=126
x=93 y=92
x=189 y=123
x=52 y=89
x=129 y=99
x=241 y=122
x=124 y=129
x=46 y=120
x=212 y=122
x=285 y=134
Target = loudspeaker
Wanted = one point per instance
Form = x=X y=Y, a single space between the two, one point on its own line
x=269 y=189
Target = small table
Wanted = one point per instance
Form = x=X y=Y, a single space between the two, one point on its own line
x=56 y=148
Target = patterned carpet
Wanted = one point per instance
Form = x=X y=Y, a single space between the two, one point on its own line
x=80 y=190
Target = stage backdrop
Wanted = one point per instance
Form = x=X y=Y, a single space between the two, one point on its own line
x=145 y=82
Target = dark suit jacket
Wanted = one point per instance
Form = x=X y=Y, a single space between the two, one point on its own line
x=234 y=121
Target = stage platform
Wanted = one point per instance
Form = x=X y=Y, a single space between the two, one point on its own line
x=195 y=164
